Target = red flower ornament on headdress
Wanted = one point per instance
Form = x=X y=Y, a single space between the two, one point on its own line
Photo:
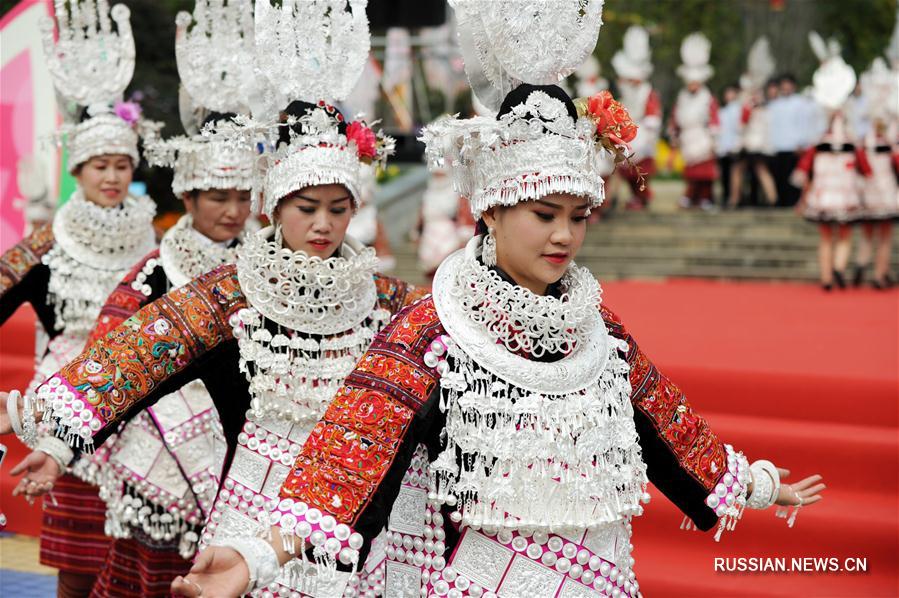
x=612 y=119
x=365 y=139
x=614 y=126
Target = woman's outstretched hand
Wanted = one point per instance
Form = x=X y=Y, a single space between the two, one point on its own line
x=804 y=492
x=218 y=572
x=41 y=472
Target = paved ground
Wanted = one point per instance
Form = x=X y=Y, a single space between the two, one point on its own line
x=21 y=575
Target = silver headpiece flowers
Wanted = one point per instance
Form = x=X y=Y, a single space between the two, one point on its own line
x=215 y=62
x=91 y=65
x=312 y=51
x=539 y=145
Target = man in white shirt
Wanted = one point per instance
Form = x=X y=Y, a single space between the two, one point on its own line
x=728 y=146
x=789 y=134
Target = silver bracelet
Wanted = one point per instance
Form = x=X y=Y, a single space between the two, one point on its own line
x=765 y=485
x=261 y=559
x=12 y=411
x=29 y=424
x=56 y=449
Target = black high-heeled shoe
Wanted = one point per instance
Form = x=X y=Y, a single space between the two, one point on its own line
x=858 y=276
x=826 y=287
x=839 y=279
x=884 y=283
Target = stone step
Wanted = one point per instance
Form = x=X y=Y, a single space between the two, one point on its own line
x=748 y=230
x=623 y=251
x=668 y=242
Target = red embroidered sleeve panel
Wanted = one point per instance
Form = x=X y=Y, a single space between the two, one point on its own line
x=19 y=259
x=124 y=301
x=18 y=268
x=685 y=459
x=118 y=372
x=367 y=431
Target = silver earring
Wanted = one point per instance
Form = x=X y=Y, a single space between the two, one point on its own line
x=279 y=236
x=488 y=249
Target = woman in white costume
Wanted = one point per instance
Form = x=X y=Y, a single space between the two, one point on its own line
x=504 y=428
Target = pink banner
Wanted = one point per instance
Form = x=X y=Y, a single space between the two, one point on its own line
x=27 y=114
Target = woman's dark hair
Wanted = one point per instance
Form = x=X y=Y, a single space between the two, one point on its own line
x=520 y=94
x=481 y=227
x=218 y=117
x=299 y=108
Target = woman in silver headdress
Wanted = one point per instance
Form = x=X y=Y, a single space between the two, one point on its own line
x=505 y=428
x=66 y=269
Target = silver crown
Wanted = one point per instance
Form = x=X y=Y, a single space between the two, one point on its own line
x=313 y=49
x=536 y=148
x=509 y=42
x=215 y=55
x=694 y=53
x=91 y=65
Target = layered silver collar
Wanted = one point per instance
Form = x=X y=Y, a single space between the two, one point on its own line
x=504 y=327
x=186 y=253
x=308 y=294
x=94 y=249
x=105 y=238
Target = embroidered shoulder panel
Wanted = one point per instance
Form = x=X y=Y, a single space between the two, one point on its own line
x=395 y=294
x=158 y=341
x=123 y=302
x=19 y=259
x=695 y=446
x=351 y=449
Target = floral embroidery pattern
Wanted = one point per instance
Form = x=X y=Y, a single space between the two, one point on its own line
x=350 y=450
x=122 y=303
x=23 y=256
x=158 y=341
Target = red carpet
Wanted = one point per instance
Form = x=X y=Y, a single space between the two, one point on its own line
x=783 y=372
x=786 y=373
x=16 y=370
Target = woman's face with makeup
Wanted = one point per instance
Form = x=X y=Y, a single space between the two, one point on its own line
x=536 y=240
x=314 y=219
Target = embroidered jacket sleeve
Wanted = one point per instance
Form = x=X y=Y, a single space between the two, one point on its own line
x=129 y=296
x=151 y=354
x=353 y=462
x=685 y=459
x=24 y=278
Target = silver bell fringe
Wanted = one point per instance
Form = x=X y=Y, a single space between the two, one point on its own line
x=550 y=462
